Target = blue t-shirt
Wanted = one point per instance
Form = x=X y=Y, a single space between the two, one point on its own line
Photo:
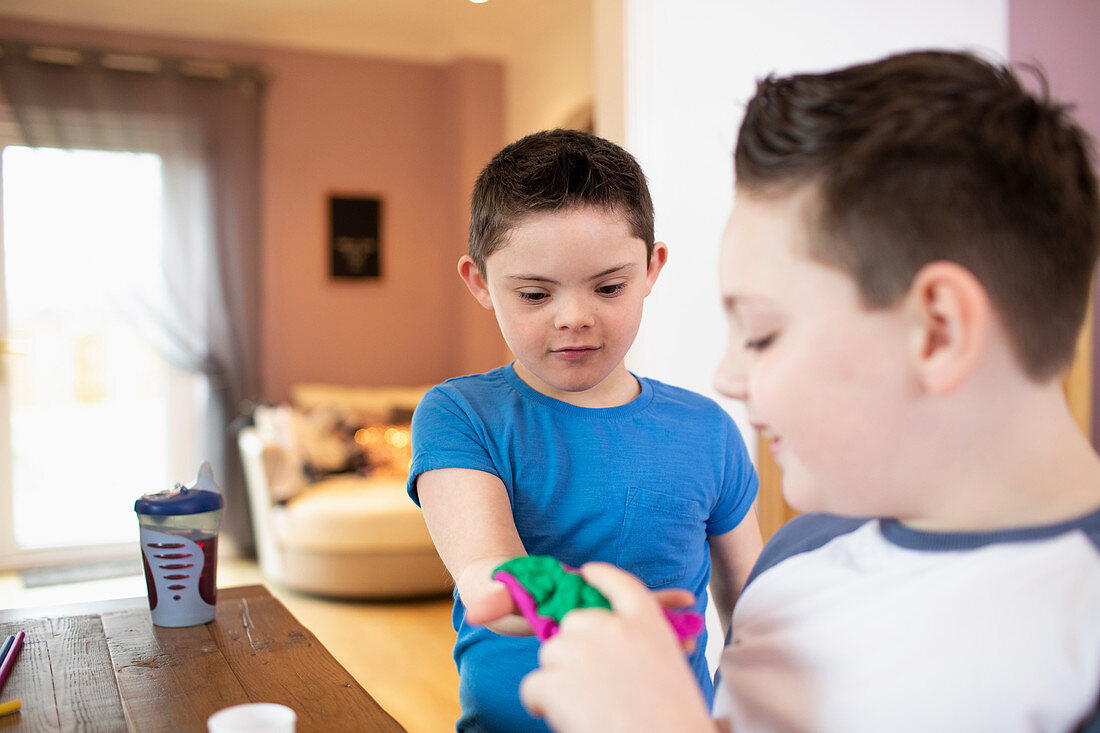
x=641 y=485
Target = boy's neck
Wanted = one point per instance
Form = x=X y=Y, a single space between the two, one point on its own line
x=1030 y=466
x=616 y=389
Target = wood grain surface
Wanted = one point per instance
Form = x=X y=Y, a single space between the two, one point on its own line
x=114 y=671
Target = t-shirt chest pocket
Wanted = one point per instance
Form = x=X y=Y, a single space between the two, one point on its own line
x=663 y=538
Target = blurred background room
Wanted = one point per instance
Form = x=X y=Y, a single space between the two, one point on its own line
x=229 y=233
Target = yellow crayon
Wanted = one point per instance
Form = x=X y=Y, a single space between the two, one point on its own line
x=6 y=708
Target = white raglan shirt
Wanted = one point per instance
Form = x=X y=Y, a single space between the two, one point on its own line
x=866 y=625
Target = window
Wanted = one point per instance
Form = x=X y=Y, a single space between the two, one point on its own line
x=91 y=414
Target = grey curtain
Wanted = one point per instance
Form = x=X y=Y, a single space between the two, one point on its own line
x=204 y=120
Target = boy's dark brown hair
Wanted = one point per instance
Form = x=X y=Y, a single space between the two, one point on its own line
x=930 y=156
x=551 y=171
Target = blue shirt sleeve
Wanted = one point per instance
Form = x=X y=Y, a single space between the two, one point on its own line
x=445 y=434
x=740 y=482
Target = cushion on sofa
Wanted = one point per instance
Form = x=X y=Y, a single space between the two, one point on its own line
x=347 y=514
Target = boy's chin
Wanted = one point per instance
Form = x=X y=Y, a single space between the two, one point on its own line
x=807 y=499
x=574 y=380
x=799 y=502
x=806 y=496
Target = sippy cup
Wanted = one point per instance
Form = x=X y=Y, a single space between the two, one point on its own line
x=179 y=548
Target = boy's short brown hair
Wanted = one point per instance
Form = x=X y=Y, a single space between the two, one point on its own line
x=930 y=156
x=554 y=170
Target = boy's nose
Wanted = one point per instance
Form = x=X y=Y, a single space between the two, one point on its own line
x=574 y=313
x=730 y=380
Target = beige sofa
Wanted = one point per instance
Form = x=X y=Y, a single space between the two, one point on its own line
x=339 y=534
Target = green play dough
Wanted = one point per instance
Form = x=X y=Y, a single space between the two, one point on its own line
x=556 y=590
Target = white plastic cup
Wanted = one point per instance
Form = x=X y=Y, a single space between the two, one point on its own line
x=253 y=717
x=179 y=548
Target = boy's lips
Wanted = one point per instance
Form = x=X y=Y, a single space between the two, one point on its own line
x=575 y=352
x=769 y=437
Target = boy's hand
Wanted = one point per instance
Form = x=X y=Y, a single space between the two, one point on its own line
x=491 y=606
x=498 y=604
x=488 y=602
x=619 y=670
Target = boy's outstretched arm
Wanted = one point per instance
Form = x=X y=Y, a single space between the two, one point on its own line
x=470 y=520
x=618 y=670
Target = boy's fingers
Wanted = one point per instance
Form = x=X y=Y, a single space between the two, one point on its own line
x=490 y=607
x=625 y=592
x=579 y=621
x=675 y=598
x=531 y=693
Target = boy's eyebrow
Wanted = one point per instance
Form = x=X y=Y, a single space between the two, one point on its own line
x=535 y=278
x=735 y=303
x=614 y=270
x=609 y=271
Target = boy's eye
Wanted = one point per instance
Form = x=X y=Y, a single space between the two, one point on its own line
x=611 y=289
x=532 y=296
x=761 y=343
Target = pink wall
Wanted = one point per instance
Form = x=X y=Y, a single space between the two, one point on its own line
x=413 y=134
x=1061 y=39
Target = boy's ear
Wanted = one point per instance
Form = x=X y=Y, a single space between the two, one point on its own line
x=471 y=275
x=657 y=260
x=951 y=324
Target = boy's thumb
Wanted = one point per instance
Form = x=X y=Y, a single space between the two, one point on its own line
x=489 y=607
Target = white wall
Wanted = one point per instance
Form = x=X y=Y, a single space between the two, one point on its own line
x=674 y=97
x=687 y=69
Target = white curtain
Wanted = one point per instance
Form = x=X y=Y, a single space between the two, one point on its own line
x=204 y=121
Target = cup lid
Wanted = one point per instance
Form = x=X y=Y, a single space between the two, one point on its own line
x=201 y=496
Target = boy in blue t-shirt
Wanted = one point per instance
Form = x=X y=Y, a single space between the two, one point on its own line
x=565 y=452
x=906 y=268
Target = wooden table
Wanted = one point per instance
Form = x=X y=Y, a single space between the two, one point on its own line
x=105 y=667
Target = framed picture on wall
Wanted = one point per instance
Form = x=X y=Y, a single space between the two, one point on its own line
x=354 y=244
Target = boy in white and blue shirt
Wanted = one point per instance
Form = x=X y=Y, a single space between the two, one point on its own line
x=906 y=268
